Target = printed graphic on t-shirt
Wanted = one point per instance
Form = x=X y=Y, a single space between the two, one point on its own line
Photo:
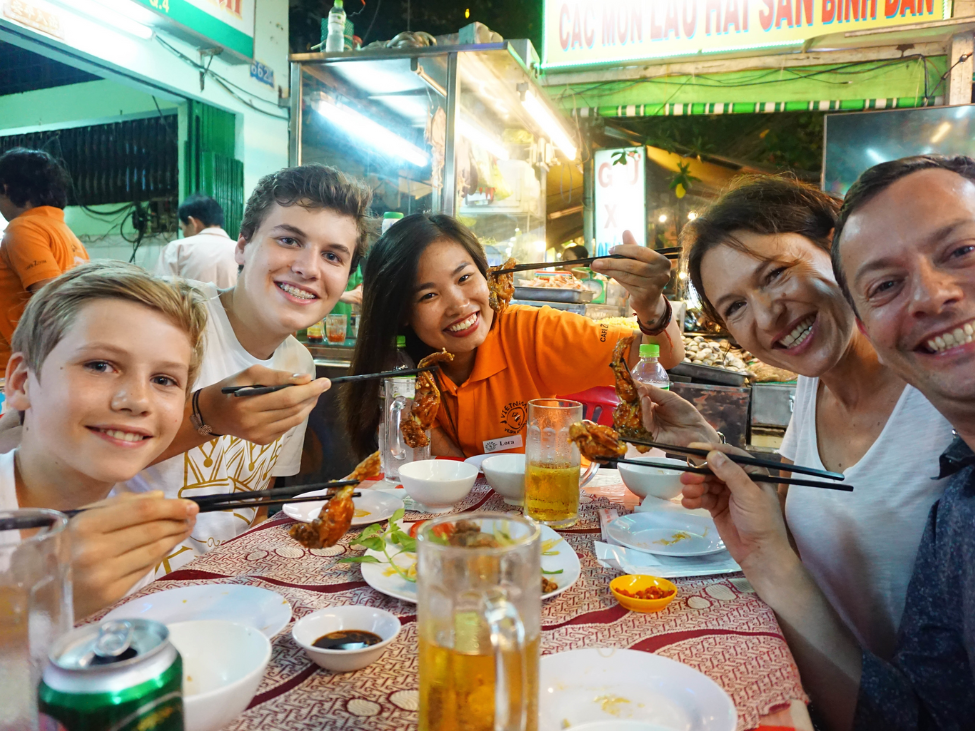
x=514 y=416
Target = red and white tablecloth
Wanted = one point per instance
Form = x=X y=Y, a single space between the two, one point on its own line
x=715 y=625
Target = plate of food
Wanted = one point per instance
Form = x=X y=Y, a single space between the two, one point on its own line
x=392 y=571
x=266 y=611
x=667 y=533
x=372 y=506
x=605 y=684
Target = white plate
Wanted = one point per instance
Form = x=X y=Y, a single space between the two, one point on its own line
x=584 y=686
x=399 y=588
x=667 y=533
x=266 y=611
x=379 y=505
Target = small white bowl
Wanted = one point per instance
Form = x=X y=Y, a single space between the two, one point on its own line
x=653 y=481
x=437 y=484
x=223 y=663
x=347 y=617
x=506 y=474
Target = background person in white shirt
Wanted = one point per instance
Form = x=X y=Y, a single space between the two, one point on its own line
x=206 y=252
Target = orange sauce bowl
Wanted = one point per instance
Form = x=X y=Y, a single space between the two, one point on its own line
x=632 y=584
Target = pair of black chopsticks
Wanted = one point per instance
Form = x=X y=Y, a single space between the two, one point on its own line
x=259 y=390
x=668 y=252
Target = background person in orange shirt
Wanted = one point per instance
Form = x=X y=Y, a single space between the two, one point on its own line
x=37 y=246
x=426 y=278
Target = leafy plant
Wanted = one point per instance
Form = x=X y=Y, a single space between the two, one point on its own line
x=374 y=538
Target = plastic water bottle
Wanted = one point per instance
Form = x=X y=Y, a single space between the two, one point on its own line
x=649 y=371
x=389 y=218
x=335 y=40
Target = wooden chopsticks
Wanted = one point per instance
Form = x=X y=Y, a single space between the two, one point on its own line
x=259 y=390
x=739 y=459
x=669 y=252
x=612 y=463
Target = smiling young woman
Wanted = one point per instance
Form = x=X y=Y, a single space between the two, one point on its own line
x=426 y=278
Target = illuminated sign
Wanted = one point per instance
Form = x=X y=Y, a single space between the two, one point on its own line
x=621 y=197
x=229 y=23
x=591 y=32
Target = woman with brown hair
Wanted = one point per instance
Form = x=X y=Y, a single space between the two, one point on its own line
x=759 y=259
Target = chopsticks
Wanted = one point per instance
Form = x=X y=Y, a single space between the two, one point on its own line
x=259 y=390
x=669 y=252
x=612 y=463
x=754 y=461
x=215 y=507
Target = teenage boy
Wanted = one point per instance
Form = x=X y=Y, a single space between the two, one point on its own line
x=303 y=230
x=205 y=253
x=37 y=244
x=904 y=253
x=103 y=359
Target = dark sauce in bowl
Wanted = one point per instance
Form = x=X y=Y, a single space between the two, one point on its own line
x=347 y=639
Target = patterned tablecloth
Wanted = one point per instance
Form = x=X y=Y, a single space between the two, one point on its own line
x=715 y=625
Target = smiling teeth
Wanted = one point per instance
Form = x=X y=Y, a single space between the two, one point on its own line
x=125 y=436
x=958 y=336
x=463 y=325
x=295 y=292
x=799 y=334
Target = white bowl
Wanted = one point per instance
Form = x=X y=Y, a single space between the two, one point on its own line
x=347 y=617
x=644 y=481
x=506 y=474
x=437 y=484
x=223 y=663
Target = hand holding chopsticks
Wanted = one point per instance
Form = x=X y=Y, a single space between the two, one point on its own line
x=670 y=252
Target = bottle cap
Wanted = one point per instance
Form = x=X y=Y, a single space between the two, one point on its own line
x=392 y=216
x=339 y=4
x=649 y=350
x=400 y=341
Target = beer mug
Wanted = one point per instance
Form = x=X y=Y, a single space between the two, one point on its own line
x=35 y=606
x=479 y=621
x=552 y=463
x=397 y=400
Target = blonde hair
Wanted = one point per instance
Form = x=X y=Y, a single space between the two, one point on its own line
x=54 y=308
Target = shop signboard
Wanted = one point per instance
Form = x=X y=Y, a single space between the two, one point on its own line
x=621 y=197
x=596 y=32
x=40 y=17
x=228 y=23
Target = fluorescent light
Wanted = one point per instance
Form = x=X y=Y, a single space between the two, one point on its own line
x=479 y=137
x=112 y=12
x=939 y=134
x=875 y=156
x=662 y=218
x=547 y=121
x=375 y=134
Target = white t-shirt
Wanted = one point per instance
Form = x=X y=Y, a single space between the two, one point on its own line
x=206 y=257
x=225 y=464
x=860 y=546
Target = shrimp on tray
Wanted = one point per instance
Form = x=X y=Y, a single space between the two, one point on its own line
x=426 y=403
x=336 y=515
x=501 y=288
x=628 y=416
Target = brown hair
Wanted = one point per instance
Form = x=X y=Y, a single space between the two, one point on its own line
x=761 y=204
x=54 y=308
x=310 y=186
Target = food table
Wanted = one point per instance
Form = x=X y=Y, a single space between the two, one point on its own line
x=716 y=625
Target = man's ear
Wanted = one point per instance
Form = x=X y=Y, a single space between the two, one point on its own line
x=239 y=251
x=16 y=388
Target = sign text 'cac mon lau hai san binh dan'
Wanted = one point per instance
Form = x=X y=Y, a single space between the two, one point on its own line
x=593 y=32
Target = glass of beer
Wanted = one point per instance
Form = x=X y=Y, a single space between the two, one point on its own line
x=479 y=603
x=552 y=463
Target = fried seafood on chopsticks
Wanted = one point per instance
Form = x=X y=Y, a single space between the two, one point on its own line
x=426 y=402
x=596 y=442
x=336 y=515
x=502 y=287
x=628 y=416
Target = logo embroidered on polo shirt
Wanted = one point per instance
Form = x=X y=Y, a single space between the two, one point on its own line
x=514 y=416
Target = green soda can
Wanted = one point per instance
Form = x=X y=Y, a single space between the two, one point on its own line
x=116 y=676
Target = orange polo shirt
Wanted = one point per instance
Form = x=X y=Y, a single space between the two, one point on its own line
x=530 y=353
x=37 y=245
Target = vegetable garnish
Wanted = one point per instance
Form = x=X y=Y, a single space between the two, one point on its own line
x=374 y=538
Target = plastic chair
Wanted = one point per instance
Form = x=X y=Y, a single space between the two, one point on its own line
x=597 y=403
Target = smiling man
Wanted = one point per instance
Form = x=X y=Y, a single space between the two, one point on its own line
x=904 y=252
x=303 y=231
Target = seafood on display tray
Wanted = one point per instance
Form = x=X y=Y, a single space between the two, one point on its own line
x=558 y=281
x=722 y=354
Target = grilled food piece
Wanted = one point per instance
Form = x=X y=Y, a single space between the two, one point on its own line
x=596 y=442
x=330 y=525
x=501 y=288
x=426 y=403
x=628 y=416
x=367 y=468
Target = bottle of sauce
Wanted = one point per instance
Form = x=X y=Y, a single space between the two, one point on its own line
x=316 y=333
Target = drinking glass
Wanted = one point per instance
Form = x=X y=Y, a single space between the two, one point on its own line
x=479 y=622
x=335 y=328
x=552 y=462
x=35 y=606
x=397 y=404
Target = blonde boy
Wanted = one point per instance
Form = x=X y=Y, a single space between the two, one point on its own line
x=102 y=360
